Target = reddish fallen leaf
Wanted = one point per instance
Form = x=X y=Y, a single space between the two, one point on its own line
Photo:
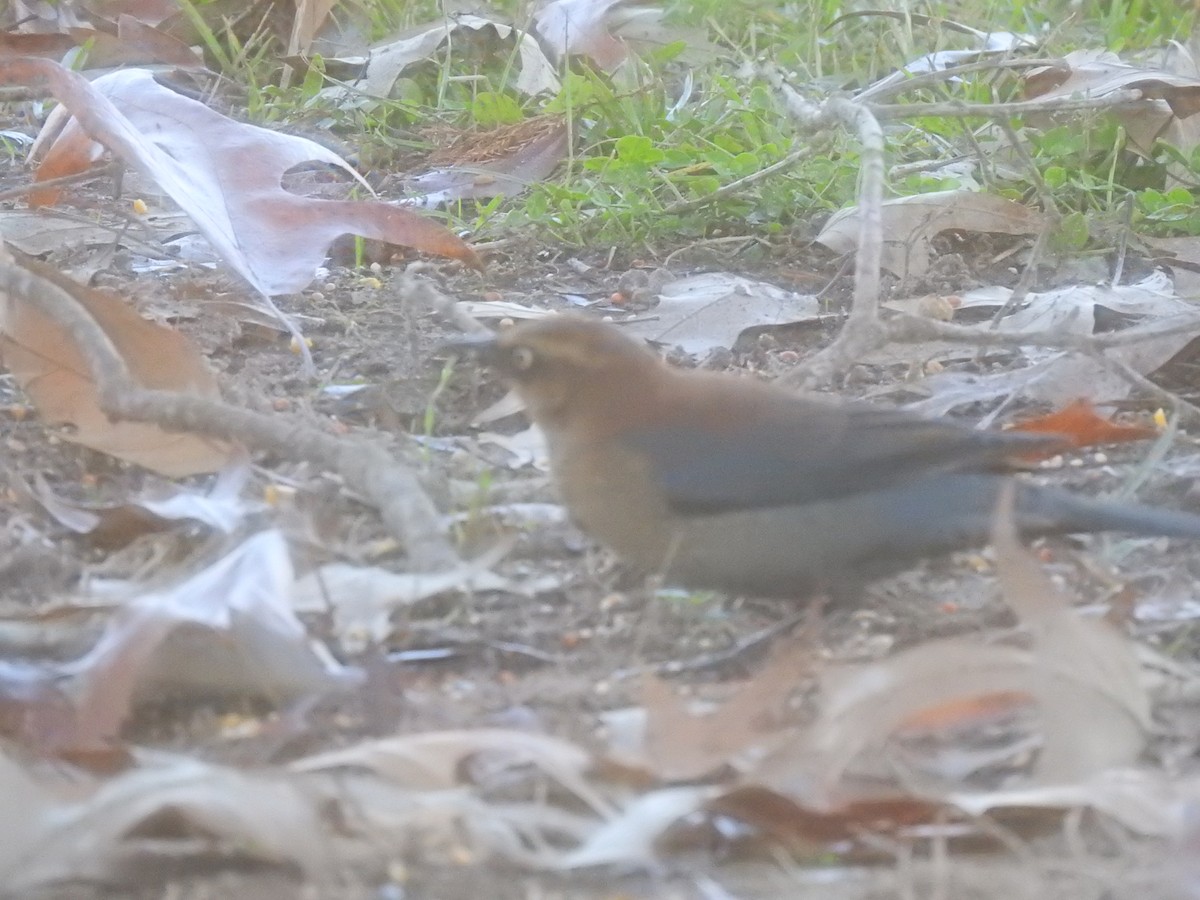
x=964 y=711
x=795 y=825
x=226 y=175
x=1080 y=426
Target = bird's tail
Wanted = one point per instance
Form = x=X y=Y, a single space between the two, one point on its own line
x=1051 y=511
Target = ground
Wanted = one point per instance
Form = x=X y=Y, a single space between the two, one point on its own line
x=548 y=662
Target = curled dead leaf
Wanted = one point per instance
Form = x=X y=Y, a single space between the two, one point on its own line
x=51 y=369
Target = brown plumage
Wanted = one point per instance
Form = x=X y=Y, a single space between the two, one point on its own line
x=715 y=481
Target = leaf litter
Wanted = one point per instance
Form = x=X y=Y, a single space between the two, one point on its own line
x=809 y=754
x=184 y=147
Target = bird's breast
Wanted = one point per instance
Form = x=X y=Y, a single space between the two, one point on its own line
x=611 y=494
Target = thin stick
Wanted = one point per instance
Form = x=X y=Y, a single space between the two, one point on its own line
x=97 y=172
x=733 y=187
x=1126 y=98
x=365 y=467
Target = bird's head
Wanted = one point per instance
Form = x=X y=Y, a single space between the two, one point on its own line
x=566 y=364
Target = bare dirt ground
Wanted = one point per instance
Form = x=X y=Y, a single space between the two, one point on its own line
x=553 y=660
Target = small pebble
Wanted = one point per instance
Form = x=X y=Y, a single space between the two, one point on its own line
x=612 y=601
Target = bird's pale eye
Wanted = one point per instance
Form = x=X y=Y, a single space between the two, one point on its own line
x=522 y=359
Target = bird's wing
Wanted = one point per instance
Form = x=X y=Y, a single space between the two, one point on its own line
x=828 y=452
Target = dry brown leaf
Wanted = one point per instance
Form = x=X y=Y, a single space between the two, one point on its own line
x=533 y=72
x=51 y=370
x=310 y=16
x=1093 y=73
x=152 y=12
x=1147 y=802
x=362 y=599
x=75 y=832
x=803 y=830
x=135 y=42
x=702 y=312
x=680 y=745
x=581 y=27
x=51 y=46
x=130 y=42
x=156 y=509
x=435 y=760
x=226 y=629
x=226 y=175
x=608 y=32
x=1081 y=673
x=1097 y=73
x=1086 y=677
x=911 y=223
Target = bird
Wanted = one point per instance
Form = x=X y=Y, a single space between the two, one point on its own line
x=715 y=481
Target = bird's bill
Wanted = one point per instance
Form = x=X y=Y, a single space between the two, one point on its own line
x=482 y=346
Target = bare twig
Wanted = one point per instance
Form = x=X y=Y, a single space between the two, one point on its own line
x=912 y=329
x=1123 y=239
x=22 y=94
x=863 y=330
x=1025 y=281
x=1049 y=207
x=734 y=187
x=1123 y=99
x=421 y=290
x=1188 y=412
x=877 y=92
x=366 y=468
x=111 y=168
